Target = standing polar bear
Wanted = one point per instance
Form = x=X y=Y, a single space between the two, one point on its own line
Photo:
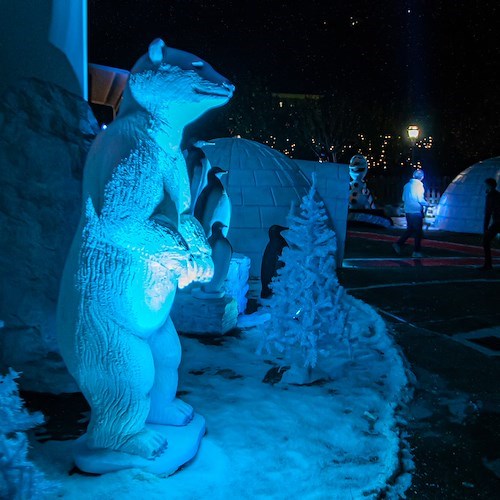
x=134 y=245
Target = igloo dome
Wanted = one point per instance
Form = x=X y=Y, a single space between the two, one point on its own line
x=261 y=184
x=461 y=207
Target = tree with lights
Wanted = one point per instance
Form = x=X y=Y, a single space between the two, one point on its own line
x=308 y=314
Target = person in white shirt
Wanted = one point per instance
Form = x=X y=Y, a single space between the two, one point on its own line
x=414 y=205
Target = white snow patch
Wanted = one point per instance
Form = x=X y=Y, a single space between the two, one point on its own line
x=254 y=319
x=337 y=440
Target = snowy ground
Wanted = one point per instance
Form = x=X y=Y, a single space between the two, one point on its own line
x=336 y=439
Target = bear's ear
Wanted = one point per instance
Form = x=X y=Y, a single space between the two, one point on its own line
x=155 y=50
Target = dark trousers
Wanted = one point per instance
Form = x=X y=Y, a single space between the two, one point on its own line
x=414 y=223
x=488 y=236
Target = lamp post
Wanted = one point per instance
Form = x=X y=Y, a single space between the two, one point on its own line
x=413 y=133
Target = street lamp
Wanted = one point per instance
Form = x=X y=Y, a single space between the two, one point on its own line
x=413 y=133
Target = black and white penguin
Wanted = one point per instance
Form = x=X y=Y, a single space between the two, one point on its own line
x=213 y=204
x=197 y=167
x=222 y=251
x=270 y=259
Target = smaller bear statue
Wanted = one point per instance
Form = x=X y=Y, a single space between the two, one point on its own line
x=136 y=242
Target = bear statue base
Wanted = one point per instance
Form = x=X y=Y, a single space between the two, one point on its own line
x=183 y=444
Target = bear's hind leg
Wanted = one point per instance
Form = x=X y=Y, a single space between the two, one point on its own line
x=117 y=389
x=165 y=408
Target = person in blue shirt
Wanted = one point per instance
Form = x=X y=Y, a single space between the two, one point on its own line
x=414 y=206
x=491 y=213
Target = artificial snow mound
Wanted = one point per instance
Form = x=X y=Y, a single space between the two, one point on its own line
x=461 y=207
x=336 y=439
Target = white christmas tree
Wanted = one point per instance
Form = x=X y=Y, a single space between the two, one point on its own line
x=308 y=313
x=19 y=478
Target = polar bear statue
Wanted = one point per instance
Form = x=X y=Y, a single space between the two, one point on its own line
x=135 y=243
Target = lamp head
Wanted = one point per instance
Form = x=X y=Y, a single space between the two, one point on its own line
x=413 y=132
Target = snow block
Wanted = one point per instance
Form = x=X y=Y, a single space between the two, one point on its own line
x=236 y=285
x=204 y=315
x=183 y=444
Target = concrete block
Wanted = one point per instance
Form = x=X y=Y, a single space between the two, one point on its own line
x=248 y=240
x=244 y=216
x=286 y=178
x=273 y=215
x=253 y=195
x=266 y=178
x=256 y=262
x=234 y=193
x=241 y=178
x=204 y=316
x=283 y=196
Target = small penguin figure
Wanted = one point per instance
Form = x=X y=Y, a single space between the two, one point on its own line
x=222 y=251
x=270 y=259
x=197 y=166
x=213 y=204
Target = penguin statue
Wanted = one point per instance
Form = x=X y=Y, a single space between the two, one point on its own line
x=197 y=166
x=213 y=204
x=270 y=259
x=222 y=251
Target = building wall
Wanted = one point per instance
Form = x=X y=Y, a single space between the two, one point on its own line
x=45 y=39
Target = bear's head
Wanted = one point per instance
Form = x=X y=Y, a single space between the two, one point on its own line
x=175 y=85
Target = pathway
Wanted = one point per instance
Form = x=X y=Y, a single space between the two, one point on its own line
x=445 y=315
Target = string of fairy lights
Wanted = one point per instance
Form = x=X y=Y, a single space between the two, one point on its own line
x=375 y=151
x=383 y=152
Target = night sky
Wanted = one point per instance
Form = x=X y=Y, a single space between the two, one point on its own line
x=435 y=59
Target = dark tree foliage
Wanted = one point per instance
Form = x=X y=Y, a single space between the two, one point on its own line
x=249 y=114
x=317 y=127
x=335 y=126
